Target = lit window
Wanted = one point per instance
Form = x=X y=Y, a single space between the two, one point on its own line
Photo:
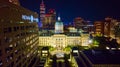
x=11 y=45
x=10 y=0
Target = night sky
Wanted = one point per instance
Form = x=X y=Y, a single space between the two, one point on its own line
x=69 y=9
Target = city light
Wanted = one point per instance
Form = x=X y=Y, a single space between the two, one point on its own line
x=90 y=41
x=107 y=48
x=37 y=36
x=31 y=18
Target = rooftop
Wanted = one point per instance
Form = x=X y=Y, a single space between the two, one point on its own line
x=103 y=57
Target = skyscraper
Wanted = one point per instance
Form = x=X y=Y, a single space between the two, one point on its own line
x=50 y=19
x=99 y=27
x=78 y=22
x=42 y=12
x=18 y=36
x=81 y=24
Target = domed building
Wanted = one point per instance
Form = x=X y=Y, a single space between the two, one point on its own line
x=59 y=26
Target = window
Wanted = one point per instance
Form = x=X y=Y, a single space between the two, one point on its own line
x=6 y=30
x=7 y=40
x=9 y=29
x=15 y=28
x=0 y=42
x=22 y=27
x=0 y=52
x=1 y=63
x=8 y=49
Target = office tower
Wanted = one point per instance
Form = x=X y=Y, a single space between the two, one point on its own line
x=78 y=22
x=18 y=36
x=99 y=27
x=42 y=12
x=50 y=19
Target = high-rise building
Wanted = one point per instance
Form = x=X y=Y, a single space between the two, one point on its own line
x=47 y=19
x=99 y=27
x=78 y=22
x=50 y=19
x=109 y=26
x=42 y=12
x=18 y=36
x=52 y=12
x=81 y=24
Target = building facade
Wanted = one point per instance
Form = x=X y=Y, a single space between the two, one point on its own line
x=47 y=19
x=60 y=41
x=16 y=2
x=81 y=24
x=42 y=12
x=18 y=36
x=78 y=22
x=59 y=28
x=99 y=27
x=50 y=19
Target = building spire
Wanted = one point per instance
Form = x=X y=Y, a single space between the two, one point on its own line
x=59 y=19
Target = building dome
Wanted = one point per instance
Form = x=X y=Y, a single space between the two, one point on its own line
x=59 y=26
x=59 y=23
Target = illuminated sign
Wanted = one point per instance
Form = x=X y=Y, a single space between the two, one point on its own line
x=30 y=18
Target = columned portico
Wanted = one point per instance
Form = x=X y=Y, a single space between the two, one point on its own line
x=59 y=41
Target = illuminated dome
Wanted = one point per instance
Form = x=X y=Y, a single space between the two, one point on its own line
x=59 y=26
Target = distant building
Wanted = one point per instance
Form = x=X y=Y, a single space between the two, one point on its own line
x=47 y=19
x=42 y=12
x=18 y=36
x=109 y=26
x=80 y=23
x=72 y=29
x=50 y=19
x=59 y=26
x=99 y=27
x=60 y=40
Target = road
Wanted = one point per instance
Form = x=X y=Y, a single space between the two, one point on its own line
x=64 y=63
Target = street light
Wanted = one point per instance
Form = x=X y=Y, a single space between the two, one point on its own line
x=90 y=41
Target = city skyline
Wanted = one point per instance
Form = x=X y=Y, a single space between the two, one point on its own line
x=88 y=10
x=24 y=44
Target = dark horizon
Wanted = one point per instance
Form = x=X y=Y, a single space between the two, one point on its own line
x=69 y=9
